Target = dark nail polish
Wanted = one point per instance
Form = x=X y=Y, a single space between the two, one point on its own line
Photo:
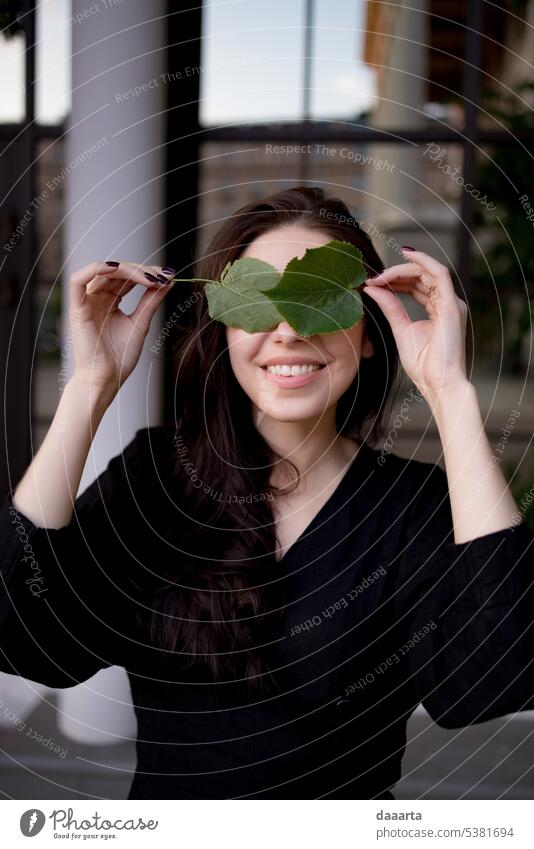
x=114 y=264
x=407 y=248
x=151 y=277
x=162 y=279
x=167 y=270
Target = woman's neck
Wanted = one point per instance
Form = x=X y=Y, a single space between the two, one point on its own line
x=316 y=449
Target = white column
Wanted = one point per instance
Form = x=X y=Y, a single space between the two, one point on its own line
x=115 y=210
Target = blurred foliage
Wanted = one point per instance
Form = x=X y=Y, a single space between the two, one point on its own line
x=522 y=487
x=516 y=6
x=504 y=270
x=10 y=11
x=48 y=306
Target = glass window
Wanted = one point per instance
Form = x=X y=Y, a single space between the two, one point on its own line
x=52 y=61
x=343 y=85
x=231 y=175
x=12 y=74
x=251 y=61
x=401 y=194
x=380 y=64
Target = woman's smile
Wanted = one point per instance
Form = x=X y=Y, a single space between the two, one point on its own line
x=292 y=376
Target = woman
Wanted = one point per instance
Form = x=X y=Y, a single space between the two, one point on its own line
x=281 y=593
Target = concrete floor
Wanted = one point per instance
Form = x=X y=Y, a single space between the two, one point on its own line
x=491 y=760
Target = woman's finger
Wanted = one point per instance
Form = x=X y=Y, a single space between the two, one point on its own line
x=408 y=286
x=427 y=263
x=392 y=308
x=80 y=279
x=164 y=271
x=417 y=294
x=96 y=276
x=421 y=298
x=152 y=271
x=406 y=271
x=126 y=276
x=102 y=283
x=148 y=304
x=410 y=276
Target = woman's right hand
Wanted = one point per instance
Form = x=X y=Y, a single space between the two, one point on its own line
x=106 y=341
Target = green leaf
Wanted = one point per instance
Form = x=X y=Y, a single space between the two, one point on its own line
x=239 y=299
x=317 y=293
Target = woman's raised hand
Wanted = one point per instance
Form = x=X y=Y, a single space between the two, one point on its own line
x=106 y=341
x=432 y=351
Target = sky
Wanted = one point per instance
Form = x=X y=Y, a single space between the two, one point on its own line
x=52 y=66
x=254 y=51
x=251 y=62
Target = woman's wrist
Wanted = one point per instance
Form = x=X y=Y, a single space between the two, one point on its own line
x=445 y=400
x=92 y=396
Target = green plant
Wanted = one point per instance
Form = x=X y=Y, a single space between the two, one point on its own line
x=522 y=488
x=504 y=270
x=9 y=17
x=314 y=294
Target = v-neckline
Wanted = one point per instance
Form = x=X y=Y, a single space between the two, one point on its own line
x=328 y=503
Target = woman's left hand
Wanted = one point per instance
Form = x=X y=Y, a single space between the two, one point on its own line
x=432 y=351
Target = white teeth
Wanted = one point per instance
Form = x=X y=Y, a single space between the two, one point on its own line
x=291 y=370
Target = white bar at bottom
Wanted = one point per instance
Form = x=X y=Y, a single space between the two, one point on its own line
x=270 y=824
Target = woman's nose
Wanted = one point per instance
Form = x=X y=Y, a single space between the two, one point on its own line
x=285 y=330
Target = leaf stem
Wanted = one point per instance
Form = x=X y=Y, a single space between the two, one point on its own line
x=191 y=280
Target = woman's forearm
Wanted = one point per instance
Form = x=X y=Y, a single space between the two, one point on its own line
x=47 y=491
x=481 y=501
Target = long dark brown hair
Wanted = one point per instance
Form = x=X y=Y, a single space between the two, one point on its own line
x=225 y=594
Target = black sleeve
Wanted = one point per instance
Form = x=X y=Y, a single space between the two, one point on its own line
x=68 y=595
x=466 y=611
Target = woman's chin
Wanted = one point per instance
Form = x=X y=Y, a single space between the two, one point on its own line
x=293 y=409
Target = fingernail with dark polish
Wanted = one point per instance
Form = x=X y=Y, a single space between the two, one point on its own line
x=114 y=264
x=151 y=277
x=167 y=270
x=162 y=279
x=407 y=248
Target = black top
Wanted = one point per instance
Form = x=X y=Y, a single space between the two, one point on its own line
x=386 y=611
